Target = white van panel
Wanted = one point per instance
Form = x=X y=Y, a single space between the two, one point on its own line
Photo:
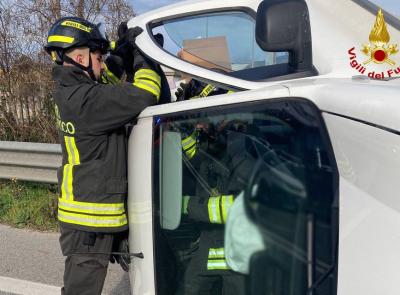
x=368 y=159
x=140 y=207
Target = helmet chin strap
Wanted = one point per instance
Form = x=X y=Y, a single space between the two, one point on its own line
x=88 y=69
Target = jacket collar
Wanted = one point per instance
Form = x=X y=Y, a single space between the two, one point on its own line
x=70 y=75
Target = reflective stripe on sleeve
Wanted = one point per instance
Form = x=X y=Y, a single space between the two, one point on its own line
x=217 y=264
x=191 y=152
x=189 y=141
x=148 y=80
x=216 y=253
x=214 y=212
x=92 y=220
x=189 y=145
x=149 y=75
x=91 y=208
x=148 y=86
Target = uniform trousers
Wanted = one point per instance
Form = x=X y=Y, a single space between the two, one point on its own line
x=85 y=271
x=197 y=280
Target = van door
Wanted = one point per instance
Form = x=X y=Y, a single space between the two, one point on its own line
x=244 y=201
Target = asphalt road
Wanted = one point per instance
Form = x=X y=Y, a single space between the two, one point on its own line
x=33 y=261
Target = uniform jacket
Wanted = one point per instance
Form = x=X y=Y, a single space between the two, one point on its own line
x=93 y=176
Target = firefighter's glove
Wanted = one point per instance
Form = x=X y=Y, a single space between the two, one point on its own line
x=179 y=94
x=123 y=49
x=113 y=70
x=187 y=91
x=121 y=245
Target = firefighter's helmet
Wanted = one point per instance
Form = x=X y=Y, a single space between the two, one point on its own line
x=73 y=32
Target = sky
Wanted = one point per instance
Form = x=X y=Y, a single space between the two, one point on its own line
x=141 y=6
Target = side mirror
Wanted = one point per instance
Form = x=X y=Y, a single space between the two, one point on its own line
x=284 y=25
x=171 y=180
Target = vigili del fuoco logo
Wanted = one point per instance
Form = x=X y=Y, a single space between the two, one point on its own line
x=378 y=51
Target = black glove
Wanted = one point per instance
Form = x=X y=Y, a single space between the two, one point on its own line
x=121 y=245
x=115 y=65
x=139 y=60
x=123 y=49
x=187 y=90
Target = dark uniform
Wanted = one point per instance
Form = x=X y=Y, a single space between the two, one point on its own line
x=207 y=271
x=93 y=177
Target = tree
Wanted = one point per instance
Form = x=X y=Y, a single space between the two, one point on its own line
x=26 y=106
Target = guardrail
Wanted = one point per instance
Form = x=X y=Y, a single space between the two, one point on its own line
x=29 y=161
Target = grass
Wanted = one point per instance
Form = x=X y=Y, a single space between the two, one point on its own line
x=28 y=205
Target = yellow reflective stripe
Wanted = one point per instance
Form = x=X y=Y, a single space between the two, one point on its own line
x=73 y=159
x=217 y=264
x=189 y=140
x=76 y=25
x=185 y=204
x=216 y=253
x=91 y=208
x=230 y=92
x=66 y=186
x=188 y=144
x=227 y=202
x=57 y=38
x=207 y=90
x=191 y=152
x=72 y=150
x=148 y=74
x=109 y=76
x=149 y=86
x=92 y=220
x=113 y=44
x=214 y=213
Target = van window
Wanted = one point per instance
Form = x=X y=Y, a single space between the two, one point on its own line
x=245 y=200
x=222 y=41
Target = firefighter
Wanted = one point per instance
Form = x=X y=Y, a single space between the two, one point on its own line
x=90 y=118
x=208 y=205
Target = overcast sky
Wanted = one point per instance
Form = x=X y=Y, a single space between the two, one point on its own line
x=141 y=6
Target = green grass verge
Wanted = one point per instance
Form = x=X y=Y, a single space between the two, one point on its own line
x=28 y=205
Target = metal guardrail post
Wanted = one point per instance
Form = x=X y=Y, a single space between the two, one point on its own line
x=30 y=161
